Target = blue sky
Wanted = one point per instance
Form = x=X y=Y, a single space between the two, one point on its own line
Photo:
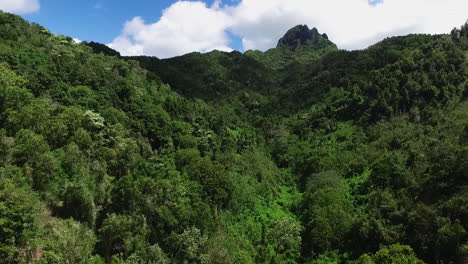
x=167 y=28
x=97 y=20
x=102 y=20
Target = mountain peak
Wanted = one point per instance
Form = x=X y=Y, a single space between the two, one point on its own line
x=301 y=35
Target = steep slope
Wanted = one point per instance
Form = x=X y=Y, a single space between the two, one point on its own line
x=212 y=76
x=317 y=71
x=382 y=96
x=299 y=45
x=349 y=157
x=219 y=75
x=392 y=77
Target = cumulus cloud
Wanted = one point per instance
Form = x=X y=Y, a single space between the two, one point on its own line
x=184 y=27
x=351 y=24
x=19 y=6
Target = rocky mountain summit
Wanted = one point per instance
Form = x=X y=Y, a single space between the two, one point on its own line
x=301 y=35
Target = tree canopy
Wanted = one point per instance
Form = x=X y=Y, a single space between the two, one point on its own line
x=301 y=154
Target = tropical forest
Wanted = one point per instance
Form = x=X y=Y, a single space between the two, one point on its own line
x=302 y=154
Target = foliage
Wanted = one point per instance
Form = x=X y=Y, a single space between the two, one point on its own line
x=301 y=154
x=391 y=255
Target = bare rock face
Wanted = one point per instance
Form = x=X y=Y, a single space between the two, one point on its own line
x=301 y=35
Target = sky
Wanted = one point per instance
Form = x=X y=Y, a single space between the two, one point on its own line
x=167 y=28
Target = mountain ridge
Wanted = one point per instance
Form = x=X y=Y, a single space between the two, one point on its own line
x=221 y=158
x=298 y=45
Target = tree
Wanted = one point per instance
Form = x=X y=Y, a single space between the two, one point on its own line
x=284 y=237
x=394 y=254
x=78 y=202
x=68 y=241
x=189 y=245
x=123 y=234
x=19 y=209
x=328 y=214
x=31 y=151
x=13 y=95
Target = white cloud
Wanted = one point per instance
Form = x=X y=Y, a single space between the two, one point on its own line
x=77 y=40
x=19 y=6
x=351 y=24
x=184 y=27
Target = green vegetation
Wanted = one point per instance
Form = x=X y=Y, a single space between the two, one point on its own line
x=302 y=154
x=299 y=45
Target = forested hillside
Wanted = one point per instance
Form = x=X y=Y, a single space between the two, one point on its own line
x=301 y=154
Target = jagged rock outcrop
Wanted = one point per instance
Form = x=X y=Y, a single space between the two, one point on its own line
x=301 y=35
